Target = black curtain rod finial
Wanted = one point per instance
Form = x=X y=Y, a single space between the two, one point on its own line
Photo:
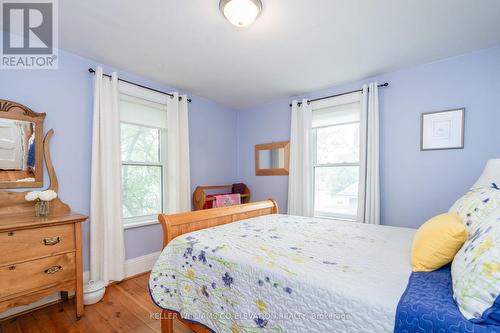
x=91 y=70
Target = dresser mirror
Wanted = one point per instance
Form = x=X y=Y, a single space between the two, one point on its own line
x=21 y=146
x=272 y=159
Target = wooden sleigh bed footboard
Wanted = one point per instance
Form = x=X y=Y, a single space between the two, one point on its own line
x=178 y=224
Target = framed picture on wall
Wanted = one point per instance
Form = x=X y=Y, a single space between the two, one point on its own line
x=442 y=130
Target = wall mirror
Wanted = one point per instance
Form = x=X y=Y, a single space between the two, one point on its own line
x=21 y=152
x=272 y=159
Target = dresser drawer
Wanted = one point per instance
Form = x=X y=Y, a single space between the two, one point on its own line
x=36 y=274
x=27 y=244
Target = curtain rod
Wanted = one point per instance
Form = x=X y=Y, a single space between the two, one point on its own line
x=91 y=70
x=337 y=95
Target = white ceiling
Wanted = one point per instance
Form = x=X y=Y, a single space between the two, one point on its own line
x=294 y=47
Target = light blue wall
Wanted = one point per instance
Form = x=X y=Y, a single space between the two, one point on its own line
x=66 y=96
x=415 y=185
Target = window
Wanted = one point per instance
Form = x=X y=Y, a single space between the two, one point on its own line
x=143 y=154
x=337 y=163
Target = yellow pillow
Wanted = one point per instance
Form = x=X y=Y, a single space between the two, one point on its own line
x=437 y=241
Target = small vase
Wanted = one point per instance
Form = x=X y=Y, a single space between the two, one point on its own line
x=42 y=208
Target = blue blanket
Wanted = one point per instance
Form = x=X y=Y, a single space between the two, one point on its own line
x=427 y=306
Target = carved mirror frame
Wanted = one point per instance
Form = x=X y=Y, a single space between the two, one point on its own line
x=14 y=202
x=16 y=111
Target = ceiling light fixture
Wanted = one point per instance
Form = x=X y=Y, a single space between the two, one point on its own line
x=240 y=13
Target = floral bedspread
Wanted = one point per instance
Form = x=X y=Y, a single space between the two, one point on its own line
x=280 y=273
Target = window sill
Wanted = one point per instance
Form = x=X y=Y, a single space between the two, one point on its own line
x=335 y=218
x=138 y=224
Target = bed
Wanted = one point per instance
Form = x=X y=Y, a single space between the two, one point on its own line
x=253 y=270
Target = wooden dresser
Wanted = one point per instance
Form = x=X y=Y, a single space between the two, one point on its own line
x=39 y=257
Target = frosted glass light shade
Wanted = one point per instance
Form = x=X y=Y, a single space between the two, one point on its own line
x=240 y=13
x=491 y=174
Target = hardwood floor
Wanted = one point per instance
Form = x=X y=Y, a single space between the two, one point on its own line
x=126 y=307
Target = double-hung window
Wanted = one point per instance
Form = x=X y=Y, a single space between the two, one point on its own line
x=338 y=166
x=143 y=129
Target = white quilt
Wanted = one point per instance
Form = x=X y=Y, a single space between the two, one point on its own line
x=280 y=273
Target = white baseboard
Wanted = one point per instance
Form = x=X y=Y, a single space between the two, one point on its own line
x=133 y=267
x=141 y=264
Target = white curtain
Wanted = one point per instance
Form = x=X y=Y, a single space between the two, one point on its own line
x=300 y=185
x=178 y=175
x=370 y=110
x=107 y=250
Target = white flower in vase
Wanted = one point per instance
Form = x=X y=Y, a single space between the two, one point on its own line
x=32 y=196
x=41 y=199
x=48 y=195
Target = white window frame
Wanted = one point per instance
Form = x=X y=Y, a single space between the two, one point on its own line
x=126 y=92
x=331 y=102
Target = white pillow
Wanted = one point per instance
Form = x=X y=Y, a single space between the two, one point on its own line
x=476 y=273
x=476 y=205
x=491 y=174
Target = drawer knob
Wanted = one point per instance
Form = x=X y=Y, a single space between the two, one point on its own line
x=51 y=240
x=53 y=269
x=10 y=233
x=12 y=268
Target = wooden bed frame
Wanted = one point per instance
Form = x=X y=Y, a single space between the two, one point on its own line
x=177 y=224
